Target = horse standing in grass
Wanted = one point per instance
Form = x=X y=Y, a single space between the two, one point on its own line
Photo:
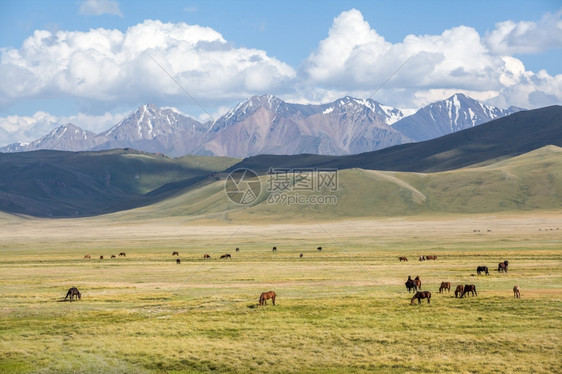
x=469 y=288
x=402 y=258
x=175 y=253
x=482 y=269
x=122 y=254
x=206 y=256
x=421 y=295
x=73 y=293
x=516 y=292
x=319 y=248
x=417 y=282
x=502 y=266
x=411 y=285
x=226 y=256
x=178 y=261
x=445 y=286
x=87 y=256
x=459 y=290
x=266 y=296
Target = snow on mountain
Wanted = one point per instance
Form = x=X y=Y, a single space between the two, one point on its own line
x=456 y=113
x=67 y=137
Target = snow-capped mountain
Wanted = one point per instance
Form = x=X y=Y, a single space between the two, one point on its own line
x=267 y=124
x=67 y=137
x=456 y=113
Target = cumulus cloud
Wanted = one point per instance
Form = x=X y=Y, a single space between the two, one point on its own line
x=355 y=59
x=16 y=128
x=526 y=37
x=132 y=67
x=99 y=7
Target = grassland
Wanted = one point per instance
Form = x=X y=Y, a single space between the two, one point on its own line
x=344 y=309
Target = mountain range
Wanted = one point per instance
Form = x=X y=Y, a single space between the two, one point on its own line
x=511 y=163
x=268 y=125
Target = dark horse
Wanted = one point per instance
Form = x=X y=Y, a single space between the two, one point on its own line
x=469 y=288
x=274 y=249
x=266 y=296
x=122 y=254
x=319 y=248
x=226 y=256
x=502 y=266
x=482 y=269
x=421 y=295
x=206 y=256
x=178 y=261
x=411 y=285
x=445 y=286
x=73 y=293
x=459 y=290
x=175 y=253
x=402 y=258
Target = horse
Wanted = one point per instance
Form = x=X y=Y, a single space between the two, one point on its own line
x=274 y=249
x=502 y=266
x=226 y=256
x=516 y=292
x=73 y=293
x=411 y=285
x=175 y=253
x=237 y=249
x=122 y=254
x=301 y=255
x=417 y=281
x=87 y=256
x=469 y=288
x=178 y=261
x=113 y=256
x=422 y=258
x=459 y=291
x=206 y=256
x=319 y=249
x=434 y=257
x=445 y=286
x=402 y=258
x=482 y=269
x=101 y=257
x=266 y=296
x=421 y=295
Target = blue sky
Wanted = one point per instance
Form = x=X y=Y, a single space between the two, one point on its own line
x=91 y=62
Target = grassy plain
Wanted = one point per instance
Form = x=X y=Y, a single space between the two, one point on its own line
x=344 y=309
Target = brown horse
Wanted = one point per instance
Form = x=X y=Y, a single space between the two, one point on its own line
x=274 y=249
x=73 y=293
x=445 y=286
x=87 y=256
x=122 y=254
x=459 y=290
x=502 y=266
x=421 y=295
x=434 y=257
x=469 y=288
x=516 y=292
x=175 y=253
x=417 y=282
x=237 y=249
x=226 y=256
x=178 y=261
x=206 y=256
x=101 y=257
x=402 y=258
x=113 y=256
x=411 y=285
x=301 y=255
x=266 y=296
x=482 y=269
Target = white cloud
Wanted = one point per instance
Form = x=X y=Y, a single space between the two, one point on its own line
x=355 y=59
x=99 y=7
x=115 y=68
x=526 y=37
x=15 y=128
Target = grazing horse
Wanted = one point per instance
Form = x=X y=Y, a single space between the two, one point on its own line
x=113 y=256
x=300 y=255
x=266 y=296
x=122 y=254
x=502 y=266
x=459 y=291
x=226 y=256
x=87 y=256
x=175 y=253
x=178 y=261
x=319 y=248
x=482 y=269
x=73 y=292
x=206 y=256
x=516 y=292
x=274 y=249
x=434 y=257
x=411 y=285
x=469 y=288
x=237 y=249
x=421 y=295
x=402 y=258
x=101 y=257
x=445 y=286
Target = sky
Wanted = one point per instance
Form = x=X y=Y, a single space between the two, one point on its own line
x=91 y=62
